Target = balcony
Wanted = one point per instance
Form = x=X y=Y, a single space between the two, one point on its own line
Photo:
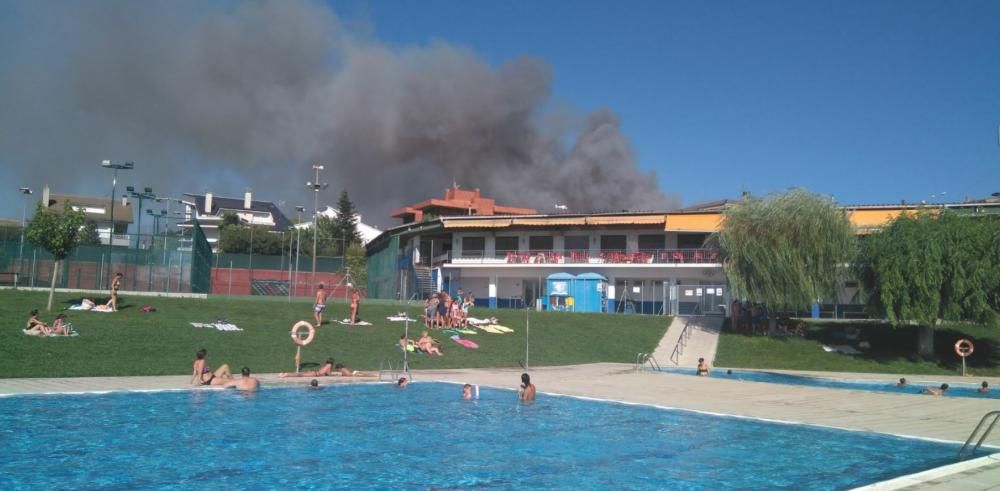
x=649 y=256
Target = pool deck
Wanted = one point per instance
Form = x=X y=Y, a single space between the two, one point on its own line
x=939 y=418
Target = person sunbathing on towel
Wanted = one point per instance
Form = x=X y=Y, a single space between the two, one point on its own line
x=59 y=326
x=428 y=344
x=35 y=326
x=343 y=371
x=325 y=371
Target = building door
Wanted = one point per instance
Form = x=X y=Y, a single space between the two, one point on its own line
x=701 y=299
x=531 y=292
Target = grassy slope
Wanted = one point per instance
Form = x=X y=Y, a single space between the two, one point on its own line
x=133 y=343
x=892 y=350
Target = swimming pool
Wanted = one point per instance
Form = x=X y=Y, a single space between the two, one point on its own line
x=913 y=387
x=375 y=436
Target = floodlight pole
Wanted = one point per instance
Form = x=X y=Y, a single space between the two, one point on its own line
x=147 y=193
x=527 y=337
x=315 y=186
x=107 y=164
x=24 y=215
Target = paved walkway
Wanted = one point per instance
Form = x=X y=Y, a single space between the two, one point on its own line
x=701 y=343
x=942 y=418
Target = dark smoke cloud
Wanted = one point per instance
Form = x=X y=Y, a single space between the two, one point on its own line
x=225 y=96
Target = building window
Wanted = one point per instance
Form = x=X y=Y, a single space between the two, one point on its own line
x=613 y=243
x=540 y=243
x=691 y=241
x=652 y=242
x=576 y=243
x=505 y=245
x=473 y=246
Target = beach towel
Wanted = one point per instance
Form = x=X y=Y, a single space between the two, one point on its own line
x=80 y=306
x=502 y=329
x=102 y=308
x=400 y=317
x=480 y=322
x=347 y=322
x=841 y=348
x=220 y=326
x=468 y=343
x=31 y=332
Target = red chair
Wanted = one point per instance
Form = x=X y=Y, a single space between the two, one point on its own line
x=677 y=256
x=698 y=257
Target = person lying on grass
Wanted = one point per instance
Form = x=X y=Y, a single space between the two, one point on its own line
x=202 y=374
x=325 y=371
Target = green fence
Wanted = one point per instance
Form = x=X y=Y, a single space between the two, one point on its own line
x=324 y=264
x=383 y=270
x=154 y=263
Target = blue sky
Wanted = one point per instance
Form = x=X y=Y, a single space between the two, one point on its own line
x=870 y=101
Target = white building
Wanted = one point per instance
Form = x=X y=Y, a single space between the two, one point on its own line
x=209 y=210
x=367 y=232
x=98 y=211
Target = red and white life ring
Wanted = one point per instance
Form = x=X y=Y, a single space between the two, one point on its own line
x=964 y=347
x=295 y=333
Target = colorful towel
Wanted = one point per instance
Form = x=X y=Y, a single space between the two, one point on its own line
x=468 y=343
x=347 y=322
x=400 y=318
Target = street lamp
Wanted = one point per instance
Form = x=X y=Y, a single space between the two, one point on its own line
x=107 y=164
x=24 y=214
x=316 y=186
x=147 y=193
x=298 y=243
x=156 y=219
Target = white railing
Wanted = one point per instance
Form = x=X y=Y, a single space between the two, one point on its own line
x=640 y=256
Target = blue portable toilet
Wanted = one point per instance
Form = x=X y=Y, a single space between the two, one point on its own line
x=590 y=292
x=560 y=292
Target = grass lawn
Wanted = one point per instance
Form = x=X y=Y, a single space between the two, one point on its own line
x=130 y=342
x=892 y=350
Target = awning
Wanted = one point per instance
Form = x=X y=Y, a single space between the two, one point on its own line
x=693 y=222
x=544 y=222
x=627 y=220
x=869 y=219
x=481 y=223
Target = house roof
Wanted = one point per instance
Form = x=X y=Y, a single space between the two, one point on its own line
x=221 y=204
x=123 y=212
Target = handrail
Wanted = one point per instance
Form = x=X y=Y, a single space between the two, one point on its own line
x=996 y=417
x=682 y=340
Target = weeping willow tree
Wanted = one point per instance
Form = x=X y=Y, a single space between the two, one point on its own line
x=930 y=267
x=785 y=251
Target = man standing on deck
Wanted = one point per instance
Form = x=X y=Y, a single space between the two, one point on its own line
x=320 y=305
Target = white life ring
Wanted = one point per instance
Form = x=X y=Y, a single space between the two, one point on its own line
x=295 y=333
x=964 y=347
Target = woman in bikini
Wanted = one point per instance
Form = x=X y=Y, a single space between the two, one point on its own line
x=59 y=326
x=343 y=371
x=35 y=325
x=355 y=306
x=702 y=368
x=202 y=374
x=426 y=344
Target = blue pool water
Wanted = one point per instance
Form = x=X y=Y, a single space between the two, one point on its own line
x=913 y=387
x=374 y=436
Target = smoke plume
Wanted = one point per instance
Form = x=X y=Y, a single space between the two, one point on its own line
x=225 y=96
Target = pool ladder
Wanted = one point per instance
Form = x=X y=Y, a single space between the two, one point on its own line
x=642 y=359
x=394 y=372
x=995 y=416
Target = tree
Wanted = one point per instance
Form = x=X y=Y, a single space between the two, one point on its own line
x=932 y=267
x=785 y=251
x=58 y=232
x=357 y=261
x=236 y=239
x=89 y=235
x=345 y=224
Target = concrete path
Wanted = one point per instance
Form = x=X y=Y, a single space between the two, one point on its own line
x=702 y=342
x=941 y=418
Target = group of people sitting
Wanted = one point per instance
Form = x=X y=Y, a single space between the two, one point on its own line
x=441 y=311
x=425 y=344
x=748 y=317
x=35 y=327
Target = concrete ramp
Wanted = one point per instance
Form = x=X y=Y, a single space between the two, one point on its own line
x=702 y=340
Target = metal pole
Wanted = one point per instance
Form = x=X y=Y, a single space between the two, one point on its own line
x=138 y=225
x=230 y=278
x=527 y=336
x=111 y=229
x=315 y=223
x=291 y=237
x=250 y=265
x=20 y=254
x=34 y=265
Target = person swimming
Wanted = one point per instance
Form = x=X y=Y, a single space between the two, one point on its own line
x=313 y=384
x=527 y=390
x=984 y=388
x=467 y=391
x=702 y=368
x=402 y=383
x=935 y=391
x=902 y=383
x=246 y=383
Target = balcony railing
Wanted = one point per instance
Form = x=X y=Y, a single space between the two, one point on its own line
x=645 y=256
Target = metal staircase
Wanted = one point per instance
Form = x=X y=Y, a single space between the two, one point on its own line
x=424 y=280
x=992 y=415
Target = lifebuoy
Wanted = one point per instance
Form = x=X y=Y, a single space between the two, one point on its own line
x=295 y=333
x=964 y=347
